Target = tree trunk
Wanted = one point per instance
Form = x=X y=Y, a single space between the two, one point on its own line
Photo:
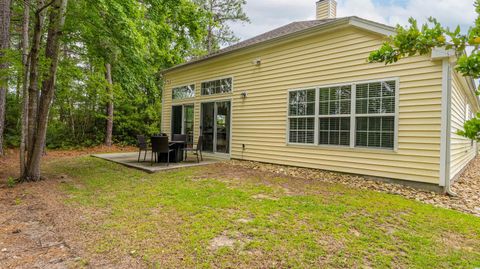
x=33 y=93
x=210 y=31
x=4 y=44
x=25 y=62
x=56 y=22
x=109 y=129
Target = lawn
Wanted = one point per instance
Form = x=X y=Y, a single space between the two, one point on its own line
x=227 y=216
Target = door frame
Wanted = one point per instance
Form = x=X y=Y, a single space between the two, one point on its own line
x=183 y=117
x=230 y=99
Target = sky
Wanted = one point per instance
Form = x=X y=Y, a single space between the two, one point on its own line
x=266 y=15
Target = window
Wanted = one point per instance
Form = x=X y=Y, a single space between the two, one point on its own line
x=350 y=115
x=217 y=86
x=183 y=92
x=375 y=114
x=334 y=110
x=301 y=112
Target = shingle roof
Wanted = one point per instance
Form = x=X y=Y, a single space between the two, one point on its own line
x=291 y=29
x=285 y=30
x=279 y=32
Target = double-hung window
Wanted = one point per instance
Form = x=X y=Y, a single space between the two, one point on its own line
x=334 y=115
x=375 y=114
x=350 y=115
x=301 y=113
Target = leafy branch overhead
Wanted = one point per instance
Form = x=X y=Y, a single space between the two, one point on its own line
x=415 y=40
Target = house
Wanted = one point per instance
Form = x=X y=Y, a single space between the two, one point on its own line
x=304 y=95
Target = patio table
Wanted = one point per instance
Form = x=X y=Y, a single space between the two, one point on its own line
x=178 y=147
x=177 y=155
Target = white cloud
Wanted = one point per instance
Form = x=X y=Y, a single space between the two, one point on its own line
x=269 y=14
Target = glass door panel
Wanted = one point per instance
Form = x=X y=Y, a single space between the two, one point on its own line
x=188 y=121
x=208 y=126
x=222 y=127
x=176 y=120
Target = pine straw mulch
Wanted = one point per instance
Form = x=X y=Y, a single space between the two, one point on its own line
x=33 y=220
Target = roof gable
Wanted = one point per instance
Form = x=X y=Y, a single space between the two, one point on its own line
x=291 y=30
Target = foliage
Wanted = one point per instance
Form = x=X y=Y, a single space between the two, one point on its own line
x=413 y=40
x=11 y=182
x=138 y=38
x=220 y=13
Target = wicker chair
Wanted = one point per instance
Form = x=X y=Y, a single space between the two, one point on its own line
x=196 y=150
x=160 y=145
x=142 y=146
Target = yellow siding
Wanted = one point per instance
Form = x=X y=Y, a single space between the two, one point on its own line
x=333 y=57
x=462 y=150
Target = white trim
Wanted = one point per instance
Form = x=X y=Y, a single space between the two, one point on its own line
x=445 y=134
x=372 y=26
x=227 y=99
x=353 y=116
x=183 y=105
x=441 y=53
x=162 y=117
x=397 y=115
x=353 y=120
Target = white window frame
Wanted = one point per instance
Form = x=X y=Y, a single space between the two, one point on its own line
x=314 y=116
x=353 y=115
x=215 y=79
x=185 y=85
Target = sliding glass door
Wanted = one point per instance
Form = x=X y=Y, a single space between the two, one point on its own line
x=183 y=121
x=215 y=126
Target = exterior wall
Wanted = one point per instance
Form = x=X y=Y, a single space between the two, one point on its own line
x=462 y=150
x=333 y=57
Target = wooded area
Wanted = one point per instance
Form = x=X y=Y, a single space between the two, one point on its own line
x=87 y=72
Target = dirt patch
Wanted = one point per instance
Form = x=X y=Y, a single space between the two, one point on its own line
x=35 y=223
x=10 y=162
x=28 y=234
x=229 y=240
x=221 y=241
x=264 y=197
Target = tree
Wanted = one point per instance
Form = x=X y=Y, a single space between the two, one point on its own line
x=107 y=54
x=412 y=40
x=4 y=45
x=221 y=13
x=109 y=130
x=25 y=65
x=56 y=20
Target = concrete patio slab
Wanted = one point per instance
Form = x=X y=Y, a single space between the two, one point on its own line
x=130 y=159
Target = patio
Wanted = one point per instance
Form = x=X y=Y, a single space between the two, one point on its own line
x=130 y=159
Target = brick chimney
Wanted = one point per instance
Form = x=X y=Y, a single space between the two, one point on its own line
x=326 y=9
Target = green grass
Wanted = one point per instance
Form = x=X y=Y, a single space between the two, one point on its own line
x=169 y=219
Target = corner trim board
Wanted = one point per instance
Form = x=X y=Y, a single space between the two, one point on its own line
x=446 y=119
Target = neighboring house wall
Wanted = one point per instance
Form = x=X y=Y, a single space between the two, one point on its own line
x=463 y=108
x=339 y=56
